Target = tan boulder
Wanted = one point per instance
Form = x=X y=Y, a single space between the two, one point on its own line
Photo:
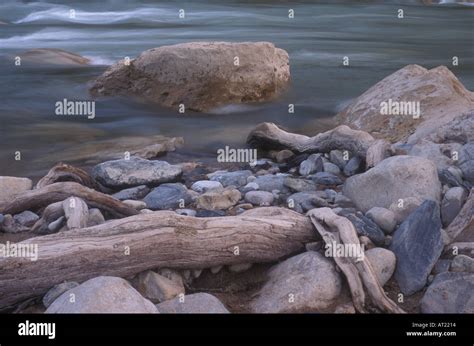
x=441 y=95
x=200 y=75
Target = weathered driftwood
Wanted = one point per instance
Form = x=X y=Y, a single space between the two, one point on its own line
x=359 y=272
x=270 y=136
x=76 y=212
x=134 y=244
x=63 y=172
x=51 y=213
x=39 y=198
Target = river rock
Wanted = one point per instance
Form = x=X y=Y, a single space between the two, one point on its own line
x=103 y=294
x=283 y=155
x=307 y=282
x=441 y=95
x=270 y=182
x=330 y=167
x=13 y=186
x=134 y=172
x=326 y=178
x=304 y=201
x=53 y=56
x=202 y=186
x=383 y=262
x=137 y=192
x=352 y=166
x=403 y=208
x=449 y=293
x=158 y=288
x=26 y=218
x=200 y=75
x=138 y=205
x=466 y=162
x=10 y=225
x=395 y=178
x=452 y=203
x=313 y=164
x=366 y=227
x=299 y=185
x=259 y=198
x=378 y=151
x=417 y=243
x=76 y=212
x=95 y=217
x=215 y=200
x=236 y=178
x=197 y=303
x=56 y=291
x=384 y=218
x=337 y=157
x=462 y=263
x=168 y=196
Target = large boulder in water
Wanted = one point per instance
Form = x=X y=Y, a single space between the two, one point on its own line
x=200 y=75
x=53 y=56
x=441 y=95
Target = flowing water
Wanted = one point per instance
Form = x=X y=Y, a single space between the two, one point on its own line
x=321 y=34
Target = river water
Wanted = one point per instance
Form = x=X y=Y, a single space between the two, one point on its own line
x=321 y=34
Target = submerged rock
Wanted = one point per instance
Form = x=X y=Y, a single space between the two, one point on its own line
x=53 y=56
x=200 y=75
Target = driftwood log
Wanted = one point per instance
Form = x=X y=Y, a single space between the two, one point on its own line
x=360 y=275
x=42 y=197
x=63 y=172
x=131 y=245
x=269 y=135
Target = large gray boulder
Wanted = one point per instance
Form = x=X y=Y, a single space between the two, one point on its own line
x=200 y=75
x=417 y=243
x=103 y=294
x=395 y=178
x=307 y=282
x=449 y=293
x=197 y=303
x=134 y=172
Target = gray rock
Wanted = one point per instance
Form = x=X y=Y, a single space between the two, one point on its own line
x=202 y=186
x=1 y=218
x=383 y=261
x=313 y=164
x=168 y=196
x=135 y=172
x=441 y=266
x=252 y=186
x=26 y=218
x=384 y=218
x=395 y=178
x=325 y=178
x=237 y=178
x=56 y=291
x=307 y=282
x=158 y=288
x=259 y=198
x=330 y=195
x=452 y=203
x=466 y=161
x=57 y=224
x=138 y=205
x=417 y=243
x=95 y=217
x=186 y=212
x=10 y=225
x=403 y=209
x=271 y=182
x=304 y=201
x=353 y=166
x=137 y=192
x=283 y=155
x=449 y=293
x=209 y=213
x=337 y=157
x=330 y=167
x=198 y=303
x=462 y=263
x=299 y=185
x=103 y=294
x=366 y=227
x=446 y=177
x=342 y=201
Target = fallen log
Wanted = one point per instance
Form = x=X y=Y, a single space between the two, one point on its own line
x=270 y=136
x=160 y=239
x=63 y=172
x=358 y=271
x=42 y=197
